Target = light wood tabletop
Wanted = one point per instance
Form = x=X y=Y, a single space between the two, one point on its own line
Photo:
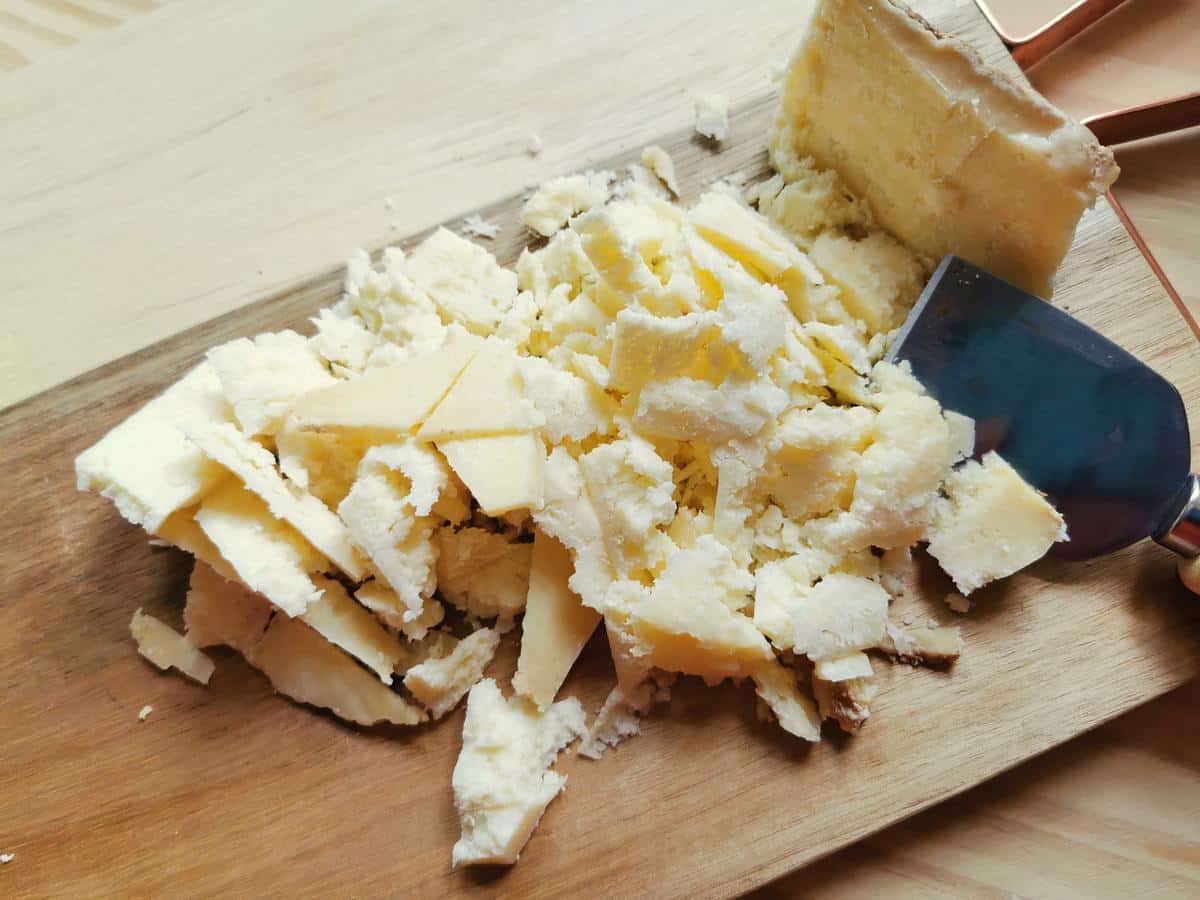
x=168 y=162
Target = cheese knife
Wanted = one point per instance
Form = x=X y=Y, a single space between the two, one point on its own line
x=1103 y=435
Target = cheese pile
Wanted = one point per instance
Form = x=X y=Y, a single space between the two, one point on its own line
x=672 y=422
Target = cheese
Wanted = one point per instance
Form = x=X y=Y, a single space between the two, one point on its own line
x=841 y=613
x=483 y=574
x=748 y=238
x=390 y=609
x=323 y=463
x=342 y=341
x=570 y=407
x=486 y=399
x=843 y=668
x=556 y=623
x=182 y=531
x=167 y=649
x=503 y=472
x=927 y=646
x=342 y=622
x=810 y=202
x=391 y=306
x=477 y=226
x=796 y=713
x=814 y=455
x=1001 y=177
x=395 y=398
x=659 y=161
x=558 y=199
x=620 y=715
x=712 y=116
x=647 y=347
x=388 y=514
x=254 y=465
x=305 y=667
x=568 y=515
x=502 y=780
x=464 y=281
x=261 y=378
x=879 y=278
x=221 y=611
x=440 y=683
x=267 y=555
x=991 y=524
x=962 y=434
x=846 y=702
x=145 y=465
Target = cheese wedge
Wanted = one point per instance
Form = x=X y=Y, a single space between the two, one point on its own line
x=953 y=155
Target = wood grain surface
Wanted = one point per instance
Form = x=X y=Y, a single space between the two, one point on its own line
x=92 y=805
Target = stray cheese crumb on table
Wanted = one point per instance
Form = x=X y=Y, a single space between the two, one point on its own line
x=6 y=858
x=712 y=116
x=144 y=712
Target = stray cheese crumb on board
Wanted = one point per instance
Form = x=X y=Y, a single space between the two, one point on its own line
x=144 y=712
x=6 y=858
x=477 y=226
x=168 y=649
x=668 y=420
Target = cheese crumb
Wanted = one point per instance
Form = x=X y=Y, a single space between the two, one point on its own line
x=440 y=683
x=476 y=226
x=167 y=649
x=6 y=858
x=143 y=714
x=534 y=146
x=712 y=116
x=659 y=161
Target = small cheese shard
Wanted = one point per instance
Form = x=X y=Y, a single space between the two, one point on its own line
x=843 y=668
x=342 y=622
x=846 y=702
x=463 y=279
x=262 y=377
x=712 y=116
x=143 y=715
x=440 y=683
x=556 y=623
x=620 y=715
x=1002 y=177
x=659 y=161
x=991 y=524
x=254 y=465
x=558 y=199
x=477 y=226
x=387 y=606
x=926 y=646
x=221 y=611
x=167 y=649
x=267 y=555
x=486 y=399
x=840 y=614
x=483 y=573
x=305 y=667
x=145 y=465
x=503 y=472
x=395 y=398
x=796 y=713
x=502 y=780
x=388 y=512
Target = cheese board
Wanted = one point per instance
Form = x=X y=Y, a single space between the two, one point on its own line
x=233 y=790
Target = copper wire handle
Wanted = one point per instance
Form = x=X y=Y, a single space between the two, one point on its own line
x=1032 y=48
x=1144 y=121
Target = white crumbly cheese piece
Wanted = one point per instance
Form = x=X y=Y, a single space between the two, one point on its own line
x=440 y=683
x=843 y=668
x=321 y=462
x=796 y=713
x=991 y=524
x=534 y=146
x=387 y=606
x=557 y=200
x=343 y=341
x=483 y=574
x=143 y=715
x=878 y=277
x=659 y=161
x=503 y=472
x=182 y=531
x=928 y=645
x=145 y=465
x=841 y=613
x=1004 y=176
x=394 y=398
x=388 y=512
x=693 y=410
x=168 y=649
x=962 y=434
x=262 y=377
x=223 y=611
x=477 y=226
x=620 y=715
x=712 y=116
x=6 y=858
x=254 y=466
x=502 y=780
x=570 y=407
x=556 y=623
x=304 y=666
x=569 y=515
x=464 y=281
x=346 y=624
x=268 y=556
x=391 y=306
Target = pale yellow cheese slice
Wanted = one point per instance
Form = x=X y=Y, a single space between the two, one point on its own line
x=254 y=464
x=503 y=472
x=305 y=667
x=167 y=649
x=342 y=622
x=796 y=713
x=952 y=155
x=556 y=623
x=486 y=399
x=991 y=524
x=395 y=398
x=221 y=611
x=182 y=531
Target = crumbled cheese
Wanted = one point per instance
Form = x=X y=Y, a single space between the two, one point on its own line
x=6 y=858
x=223 y=611
x=167 y=649
x=477 y=226
x=143 y=715
x=502 y=780
x=534 y=146
x=620 y=715
x=659 y=161
x=440 y=683
x=558 y=199
x=712 y=116
x=484 y=574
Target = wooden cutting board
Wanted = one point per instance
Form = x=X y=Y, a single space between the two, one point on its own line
x=232 y=790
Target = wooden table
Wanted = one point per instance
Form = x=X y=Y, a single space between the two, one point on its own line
x=148 y=187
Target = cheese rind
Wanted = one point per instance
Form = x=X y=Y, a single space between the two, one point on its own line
x=166 y=648
x=556 y=623
x=502 y=780
x=1001 y=178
